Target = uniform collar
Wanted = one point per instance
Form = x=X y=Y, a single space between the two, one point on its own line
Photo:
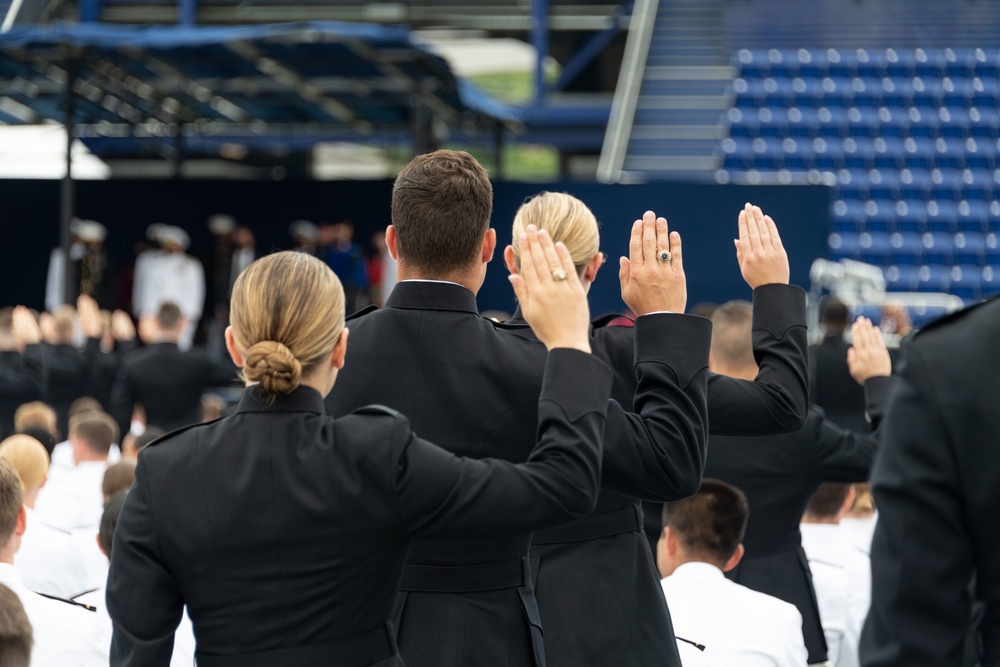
x=702 y=572
x=425 y=295
x=302 y=399
x=10 y=577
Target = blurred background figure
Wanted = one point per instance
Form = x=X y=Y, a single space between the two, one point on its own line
x=833 y=389
x=21 y=373
x=170 y=275
x=305 y=236
x=347 y=260
x=381 y=270
x=88 y=266
x=38 y=420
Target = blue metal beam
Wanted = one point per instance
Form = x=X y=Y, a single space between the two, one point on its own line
x=90 y=11
x=540 y=39
x=187 y=12
x=593 y=48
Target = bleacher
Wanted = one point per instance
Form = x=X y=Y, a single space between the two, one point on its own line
x=910 y=140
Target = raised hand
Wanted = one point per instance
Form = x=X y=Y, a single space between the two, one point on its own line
x=89 y=314
x=122 y=328
x=549 y=292
x=25 y=327
x=47 y=325
x=652 y=277
x=867 y=357
x=759 y=251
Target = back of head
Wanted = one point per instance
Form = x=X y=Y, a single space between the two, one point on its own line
x=834 y=315
x=828 y=501
x=711 y=523
x=118 y=477
x=97 y=430
x=15 y=631
x=732 y=335
x=287 y=313
x=441 y=208
x=169 y=317
x=11 y=500
x=43 y=436
x=35 y=415
x=109 y=521
x=566 y=219
x=29 y=459
x=84 y=404
x=64 y=319
x=6 y=321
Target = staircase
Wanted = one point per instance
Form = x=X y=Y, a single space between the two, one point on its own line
x=672 y=94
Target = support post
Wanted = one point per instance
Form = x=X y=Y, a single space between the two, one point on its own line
x=187 y=12
x=67 y=204
x=498 y=149
x=540 y=39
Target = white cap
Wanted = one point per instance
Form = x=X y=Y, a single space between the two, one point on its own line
x=303 y=229
x=91 y=231
x=171 y=235
x=154 y=230
x=74 y=226
x=221 y=224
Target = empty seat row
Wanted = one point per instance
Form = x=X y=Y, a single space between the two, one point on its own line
x=916 y=248
x=863 y=62
x=866 y=92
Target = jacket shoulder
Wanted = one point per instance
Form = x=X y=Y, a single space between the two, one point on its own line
x=378 y=410
x=946 y=322
x=361 y=313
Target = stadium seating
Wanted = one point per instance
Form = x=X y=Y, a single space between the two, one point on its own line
x=911 y=140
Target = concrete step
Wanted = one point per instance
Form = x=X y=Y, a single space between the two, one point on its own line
x=713 y=133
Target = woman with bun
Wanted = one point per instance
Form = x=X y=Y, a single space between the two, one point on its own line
x=284 y=530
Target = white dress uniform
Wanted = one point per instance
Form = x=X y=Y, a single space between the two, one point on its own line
x=64 y=634
x=842 y=579
x=49 y=560
x=736 y=625
x=62 y=455
x=177 y=277
x=184 y=644
x=72 y=499
x=859 y=532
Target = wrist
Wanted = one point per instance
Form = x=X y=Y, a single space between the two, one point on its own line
x=581 y=345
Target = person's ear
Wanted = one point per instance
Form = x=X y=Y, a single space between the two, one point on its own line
x=735 y=559
x=489 y=244
x=101 y=546
x=510 y=260
x=390 y=242
x=22 y=521
x=672 y=543
x=234 y=352
x=852 y=494
x=340 y=350
x=592 y=267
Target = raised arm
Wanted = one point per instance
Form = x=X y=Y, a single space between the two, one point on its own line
x=777 y=400
x=870 y=365
x=445 y=496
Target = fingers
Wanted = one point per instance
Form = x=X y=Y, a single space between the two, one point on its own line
x=649 y=236
x=552 y=258
x=624 y=270
x=635 y=244
x=662 y=237
x=762 y=232
x=566 y=261
x=520 y=291
x=676 y=253
x=773 y=232
x=744 y=226
x=739 y=251
x=529 y=268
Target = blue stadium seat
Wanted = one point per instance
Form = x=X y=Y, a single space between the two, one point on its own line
x=906 y=247
x=983 y=122
x=880 y=215
x=938 y=247
x=973 y=215
x=969 y=247
x=915 y=183
x=966 y=281
x=990 y=284
x=942 y=215
x=953 y=121
x=911 y=215
x=933 y=278
x=901 y=278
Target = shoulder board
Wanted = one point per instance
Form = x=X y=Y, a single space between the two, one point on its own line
x=605 y=321
x=182 y=429
x=70 y=602
x=363 y=311
x=376 y=410
x=953 y=317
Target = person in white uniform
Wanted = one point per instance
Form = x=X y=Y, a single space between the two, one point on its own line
x=170 y=274
x=48 y=558
x=729 y=623
x=72 y=499
x=65 y=634
x=841 y=572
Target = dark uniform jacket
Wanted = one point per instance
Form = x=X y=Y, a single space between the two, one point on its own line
x=779 y=474
x=284 y=531
x=598 y=590
x=168 y=383
x=833 y=388
x=472 y=389
x=21 y=379
x=936 y=488
x=68 y=376
x=106 y=369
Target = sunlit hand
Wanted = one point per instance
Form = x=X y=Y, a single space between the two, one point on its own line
x=25 y=327
x=122 y=327
x=89 y=314
x=652 y=277
x=759 y=251
x=867 y=357
x=47 y=325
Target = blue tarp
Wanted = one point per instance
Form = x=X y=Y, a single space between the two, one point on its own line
x=358 y=77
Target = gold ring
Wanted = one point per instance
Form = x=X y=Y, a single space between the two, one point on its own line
x=558 y=274
x=664 y=256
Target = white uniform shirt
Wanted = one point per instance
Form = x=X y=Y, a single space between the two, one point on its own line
x=859 y=532
x=184 y=645
x=842 y=579
x=62 y=455
x=64 y=635
x=72 y=498
x=49 y=560
x=168 y=276
x=736 y=625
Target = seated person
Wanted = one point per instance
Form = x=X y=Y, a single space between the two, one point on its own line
x=735 y=625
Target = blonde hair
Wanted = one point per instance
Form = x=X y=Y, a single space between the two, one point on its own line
x=28 y=457
x=35 y=414
x=566 y=219
x=287 y=314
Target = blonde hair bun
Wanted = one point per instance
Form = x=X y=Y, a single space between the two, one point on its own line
x=274 y=366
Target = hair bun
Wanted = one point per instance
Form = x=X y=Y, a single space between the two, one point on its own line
x=274 y=366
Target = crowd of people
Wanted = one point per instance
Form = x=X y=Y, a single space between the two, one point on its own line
x=417 y=484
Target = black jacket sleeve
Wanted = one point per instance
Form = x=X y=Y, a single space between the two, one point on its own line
x=842 y=455
x=777 y=400
x=122 y=400
x=878 y=392
x=25 y=381
x=441 y=495
x=659 y=453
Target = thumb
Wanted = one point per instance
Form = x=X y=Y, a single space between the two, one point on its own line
x=520 y=289
x=739 y=251
x=624 y=269
x=852 y=356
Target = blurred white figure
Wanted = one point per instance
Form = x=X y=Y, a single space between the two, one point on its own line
x=170 y=274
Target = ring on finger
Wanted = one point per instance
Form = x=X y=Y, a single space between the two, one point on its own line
x=558 y=274
x=664 y=256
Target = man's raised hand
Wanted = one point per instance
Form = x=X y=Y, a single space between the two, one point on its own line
x=759 y=251
x=652 y=277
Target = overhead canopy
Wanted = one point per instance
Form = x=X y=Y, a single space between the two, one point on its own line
x=335 y=76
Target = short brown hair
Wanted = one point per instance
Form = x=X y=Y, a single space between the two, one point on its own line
x=169 y=316
x=84 y=404
x=441 y=207
x=828 y=500
x=97 y=429
x=35 y=414
x=15 y=631
x=711 y=523
x=11 y=500
x=732 y=333
x=118 y=477
x=6 y=320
